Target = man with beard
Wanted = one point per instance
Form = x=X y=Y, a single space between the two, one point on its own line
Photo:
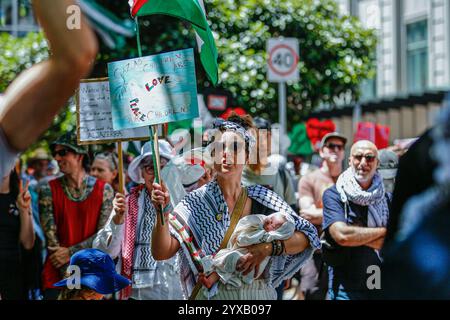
x=72 y=208
x=355 y=214
x=311 y=187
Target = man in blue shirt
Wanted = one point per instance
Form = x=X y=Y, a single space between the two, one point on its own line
x=355 y=213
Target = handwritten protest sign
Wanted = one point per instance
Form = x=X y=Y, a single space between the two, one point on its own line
x=153 y=90
x=94 y=116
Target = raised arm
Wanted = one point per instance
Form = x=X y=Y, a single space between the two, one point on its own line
x=109 y=238
x=47 y=218
x=37 y=94
x=164 y=246
x=27 y=236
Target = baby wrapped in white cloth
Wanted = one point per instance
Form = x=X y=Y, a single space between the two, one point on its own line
x=250 y=230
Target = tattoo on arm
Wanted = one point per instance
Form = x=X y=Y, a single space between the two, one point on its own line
x=46 y=216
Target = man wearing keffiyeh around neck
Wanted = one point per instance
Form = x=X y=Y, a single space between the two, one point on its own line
x=356 y=212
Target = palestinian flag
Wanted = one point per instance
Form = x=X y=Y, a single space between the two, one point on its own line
x=192 y=11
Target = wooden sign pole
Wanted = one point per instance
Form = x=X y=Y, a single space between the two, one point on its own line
x=120 y=154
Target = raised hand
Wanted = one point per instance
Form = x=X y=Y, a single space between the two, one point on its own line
x=120 y=207
x=160 y=195
x=24 y=198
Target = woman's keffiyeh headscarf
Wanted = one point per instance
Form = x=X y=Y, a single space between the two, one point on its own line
x=235 y=127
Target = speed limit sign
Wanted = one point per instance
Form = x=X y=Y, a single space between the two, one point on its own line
x=282 y=60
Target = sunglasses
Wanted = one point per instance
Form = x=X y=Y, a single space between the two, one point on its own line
x=149 y=168
x=333 y=146
x=61 y=153
x=220 y=147
x=370 y=158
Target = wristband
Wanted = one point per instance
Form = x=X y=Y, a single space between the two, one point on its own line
x=273 y=248
x=277 y=248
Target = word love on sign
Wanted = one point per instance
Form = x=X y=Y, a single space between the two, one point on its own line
x=155 y=82
x=153 y=90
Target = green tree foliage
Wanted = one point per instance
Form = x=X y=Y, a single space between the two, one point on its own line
x=336 y=52
x=18 y=54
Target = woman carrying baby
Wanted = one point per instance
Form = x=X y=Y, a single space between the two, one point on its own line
x=203 y=222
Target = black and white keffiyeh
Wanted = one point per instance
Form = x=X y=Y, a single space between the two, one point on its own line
x=144 y=265
x=206 y=214
x=232 y=126
x=374 y=198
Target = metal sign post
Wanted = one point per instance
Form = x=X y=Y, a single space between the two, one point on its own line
x=282 y=65
x=282 y=114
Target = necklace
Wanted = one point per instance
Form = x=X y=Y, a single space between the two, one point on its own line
x=76 y=194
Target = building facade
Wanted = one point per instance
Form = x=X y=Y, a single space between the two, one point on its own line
x=413 y=66
x=16 y=17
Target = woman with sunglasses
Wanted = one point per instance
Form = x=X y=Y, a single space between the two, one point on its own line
x=105 y=167
x=127 y=234
x=200 y=223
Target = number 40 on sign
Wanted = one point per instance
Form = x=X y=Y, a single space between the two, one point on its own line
x=282 y=60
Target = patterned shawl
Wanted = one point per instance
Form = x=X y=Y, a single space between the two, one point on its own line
x=138 y=263
x=201 y=220
x=374 y=198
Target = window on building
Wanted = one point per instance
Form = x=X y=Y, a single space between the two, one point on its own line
x=16 y=17
x=369 y=13
x=368 y=89
x=417 y=56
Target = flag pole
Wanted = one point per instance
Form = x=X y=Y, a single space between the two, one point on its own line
x=153 y=133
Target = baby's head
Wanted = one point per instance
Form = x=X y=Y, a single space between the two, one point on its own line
x=274 y=221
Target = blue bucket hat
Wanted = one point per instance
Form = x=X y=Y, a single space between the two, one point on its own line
x=97 y=272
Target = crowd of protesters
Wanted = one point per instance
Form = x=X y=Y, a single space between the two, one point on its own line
x=159 y=237
x=69 y=230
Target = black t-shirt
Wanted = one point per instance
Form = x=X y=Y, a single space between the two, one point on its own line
x=9 y=228
x=353 y=273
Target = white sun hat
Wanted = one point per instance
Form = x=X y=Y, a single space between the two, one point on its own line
x=165 y=151
x=189 y=173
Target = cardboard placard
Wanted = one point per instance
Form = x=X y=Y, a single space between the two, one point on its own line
x=153 y=90
x=94 y=116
